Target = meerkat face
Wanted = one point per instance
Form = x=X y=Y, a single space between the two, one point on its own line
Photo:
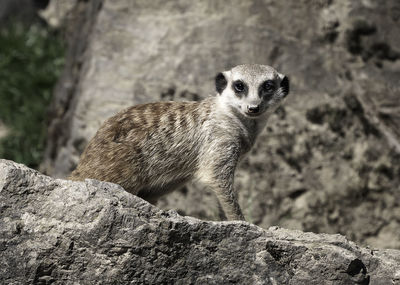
x=252 y=89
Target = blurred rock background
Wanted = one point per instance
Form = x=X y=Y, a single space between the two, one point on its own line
x=329 y=160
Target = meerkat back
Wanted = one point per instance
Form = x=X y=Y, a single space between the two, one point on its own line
x=145 y=148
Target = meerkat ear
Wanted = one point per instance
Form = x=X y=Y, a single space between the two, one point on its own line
x=285 y=85
x=220 y=82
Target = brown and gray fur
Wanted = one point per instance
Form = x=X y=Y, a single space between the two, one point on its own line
x=153 y=149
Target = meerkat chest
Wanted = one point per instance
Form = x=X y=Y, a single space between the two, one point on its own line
x=229 y=131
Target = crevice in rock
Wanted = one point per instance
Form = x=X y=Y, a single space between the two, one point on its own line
x=358 y=271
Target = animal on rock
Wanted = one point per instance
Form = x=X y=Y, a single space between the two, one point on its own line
x=153 y=149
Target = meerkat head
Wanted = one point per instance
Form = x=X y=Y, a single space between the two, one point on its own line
x=252 y=89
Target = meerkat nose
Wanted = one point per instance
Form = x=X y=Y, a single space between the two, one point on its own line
x=253 y=109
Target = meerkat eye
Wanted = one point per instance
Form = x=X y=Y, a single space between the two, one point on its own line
x=238 y=86
x=269 y=86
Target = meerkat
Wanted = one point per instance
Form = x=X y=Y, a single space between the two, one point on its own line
x=153 y=149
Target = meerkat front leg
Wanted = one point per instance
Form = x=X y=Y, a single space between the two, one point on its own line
x=219 y=175
x=229 y=202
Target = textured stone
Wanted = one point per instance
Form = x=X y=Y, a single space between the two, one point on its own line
x=329 y=161
x=54 y=231
x=57 y=11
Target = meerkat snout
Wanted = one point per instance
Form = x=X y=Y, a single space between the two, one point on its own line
x=254 y=109
x=153 y=149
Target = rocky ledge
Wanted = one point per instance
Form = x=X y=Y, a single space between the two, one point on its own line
x=56 y=231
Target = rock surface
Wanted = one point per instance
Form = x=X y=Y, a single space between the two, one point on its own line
x=55 y=231
x=57 y=11
x=329 y=161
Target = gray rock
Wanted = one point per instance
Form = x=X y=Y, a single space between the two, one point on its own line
x=329 y=161
x=57 y=11
x=54 y=231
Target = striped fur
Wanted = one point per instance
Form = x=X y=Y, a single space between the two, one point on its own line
x=155 y=148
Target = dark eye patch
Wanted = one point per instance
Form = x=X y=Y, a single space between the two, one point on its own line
x=268 y=86
x=239 y=86
x=266 y=89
